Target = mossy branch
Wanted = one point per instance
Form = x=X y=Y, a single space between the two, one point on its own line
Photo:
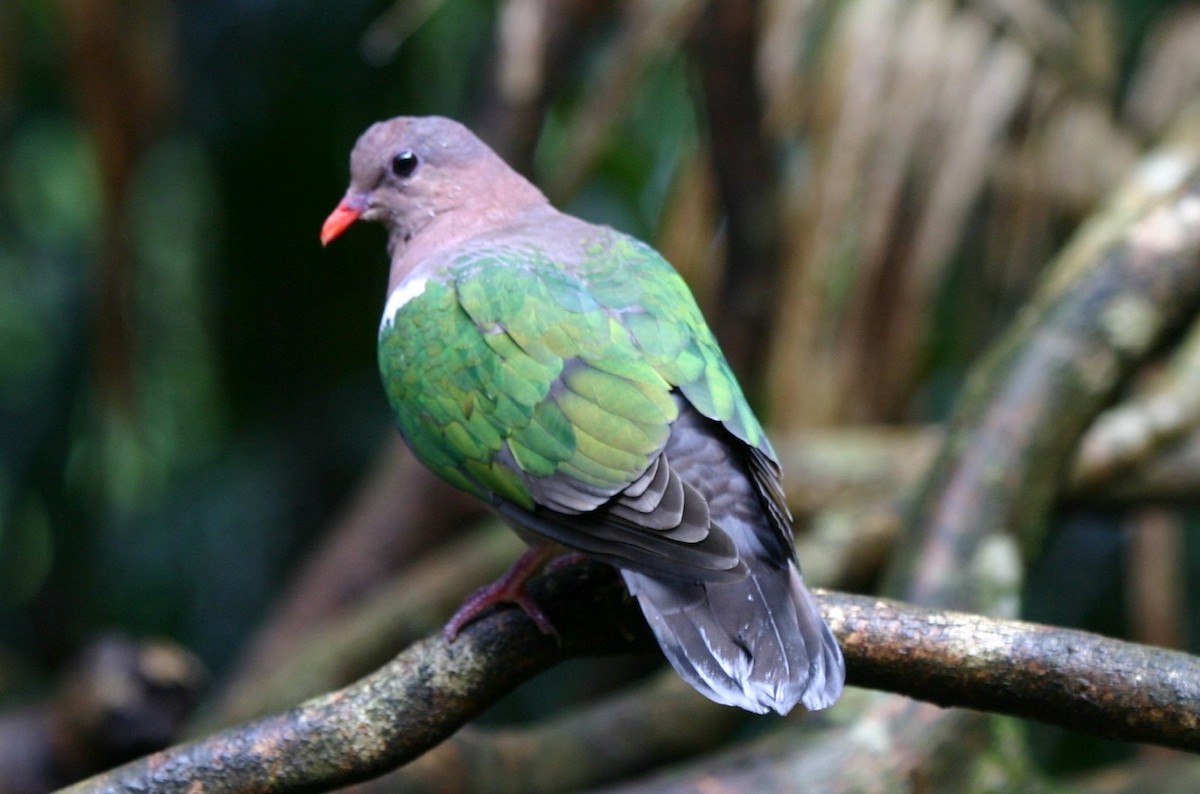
x=1082 y=681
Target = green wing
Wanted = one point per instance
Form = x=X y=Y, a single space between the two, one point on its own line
x=548 y=387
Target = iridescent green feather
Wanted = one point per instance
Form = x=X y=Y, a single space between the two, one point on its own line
x=563 y=369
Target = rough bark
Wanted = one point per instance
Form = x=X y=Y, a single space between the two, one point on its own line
x=1082 y=681
x=401 y=710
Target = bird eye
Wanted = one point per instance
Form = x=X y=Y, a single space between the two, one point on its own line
x=404 y=163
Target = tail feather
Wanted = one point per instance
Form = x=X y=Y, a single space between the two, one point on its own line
x=758 y=643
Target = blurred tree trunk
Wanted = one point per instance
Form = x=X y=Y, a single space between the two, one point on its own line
x=120 y=65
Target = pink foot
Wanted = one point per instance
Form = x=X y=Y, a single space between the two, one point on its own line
x=565 y=560
x=508 y=589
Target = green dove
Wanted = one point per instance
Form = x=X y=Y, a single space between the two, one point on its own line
x=562 y=372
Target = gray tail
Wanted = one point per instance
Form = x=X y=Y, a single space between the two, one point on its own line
x=758 y=643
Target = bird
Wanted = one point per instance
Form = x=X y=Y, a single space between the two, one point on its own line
x=562 y=372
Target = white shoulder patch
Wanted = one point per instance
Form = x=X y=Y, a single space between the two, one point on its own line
x=400 y=296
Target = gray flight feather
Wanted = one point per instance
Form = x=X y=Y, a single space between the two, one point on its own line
x=758 y=642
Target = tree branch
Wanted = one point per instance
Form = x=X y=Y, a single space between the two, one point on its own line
x=851 y=756
x=403 y=709
x=1070 y=678
x=1135 y=430
x=1127 y=277
x=348 y=644
x=651 y=724
x=849 y=478
x=1074 y=679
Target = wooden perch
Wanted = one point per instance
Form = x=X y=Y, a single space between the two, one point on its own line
x=403 y=709
x=862 y=470
x=1082 y=681
x=1074 y=679
x=651 y=724
x=339 y=648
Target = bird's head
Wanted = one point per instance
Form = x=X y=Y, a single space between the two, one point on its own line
x=407 y=171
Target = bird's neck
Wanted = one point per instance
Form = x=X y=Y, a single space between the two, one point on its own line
x=454 y=226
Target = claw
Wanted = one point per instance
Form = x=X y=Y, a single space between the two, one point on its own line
x=508 y=589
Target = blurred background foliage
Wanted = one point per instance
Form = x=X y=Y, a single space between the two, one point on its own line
x=188 y=392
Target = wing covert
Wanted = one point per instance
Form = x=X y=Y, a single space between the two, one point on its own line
x=550 y=388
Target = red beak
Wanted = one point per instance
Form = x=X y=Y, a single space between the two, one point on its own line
x=346 y=213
